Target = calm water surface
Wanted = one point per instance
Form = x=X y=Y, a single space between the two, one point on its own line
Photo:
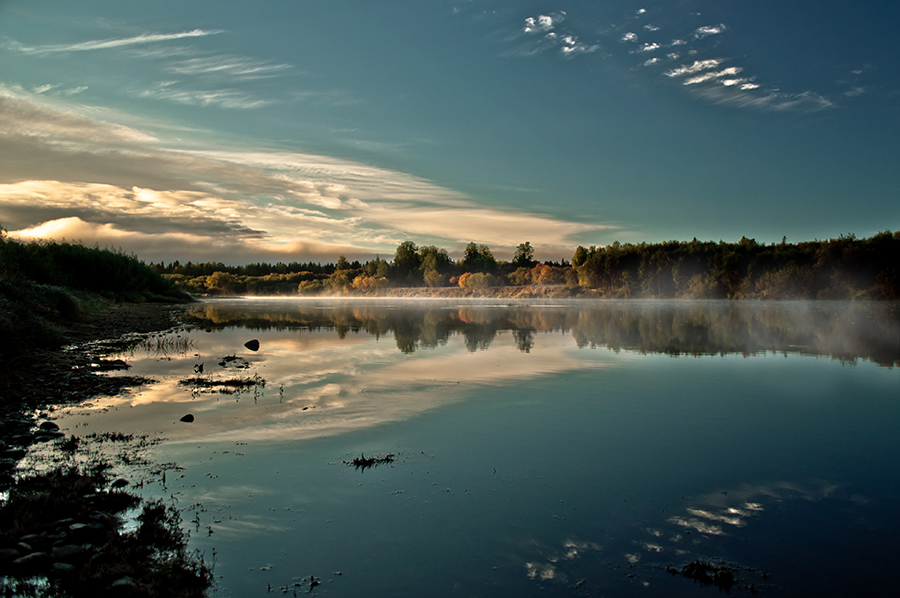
x=567 y=449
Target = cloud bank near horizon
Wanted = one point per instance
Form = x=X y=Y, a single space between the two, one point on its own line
x=66 y=174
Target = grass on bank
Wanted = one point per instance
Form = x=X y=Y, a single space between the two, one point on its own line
x=45 y=286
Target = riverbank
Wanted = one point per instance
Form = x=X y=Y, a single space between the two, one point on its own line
x=60 y=529
x=33 y=378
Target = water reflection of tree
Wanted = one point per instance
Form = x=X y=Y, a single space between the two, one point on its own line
x=844 y=331
x=524 y=340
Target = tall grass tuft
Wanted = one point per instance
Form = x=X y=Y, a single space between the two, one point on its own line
x=74 y=266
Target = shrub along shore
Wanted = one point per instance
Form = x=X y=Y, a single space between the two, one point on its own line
x=841 y=268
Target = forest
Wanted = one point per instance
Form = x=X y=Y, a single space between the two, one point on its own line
x=841 y=268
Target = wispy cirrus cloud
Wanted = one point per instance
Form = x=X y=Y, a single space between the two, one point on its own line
x=114 y=185
x=51 y=87
x=770 y=100
x=106 y=44
x=224 y=98
x=229 y=66
x=25 y=117
x=203 y=78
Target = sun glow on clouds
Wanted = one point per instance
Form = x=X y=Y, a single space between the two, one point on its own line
x=229 y=204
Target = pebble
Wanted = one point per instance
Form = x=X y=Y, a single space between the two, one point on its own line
x=33 y=560
x=68 y=553
x=33 y=539
x=21 y=439
x=124 y=583
x=63 y=567
x=12 y=453
x=63 y=523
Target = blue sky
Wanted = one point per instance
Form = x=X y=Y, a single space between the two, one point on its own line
x=302 y=130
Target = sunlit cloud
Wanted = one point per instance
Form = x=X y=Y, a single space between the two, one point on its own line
x=708 y=30
x=713 y=76
x=227 y=204
x=703 y=76
x=170 y=245
x=695 y=67
x=569 y=44
x=462 y=224
x=542 y=23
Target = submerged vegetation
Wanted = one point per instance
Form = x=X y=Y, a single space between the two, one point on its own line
x=363 y=463
x=64 y=538
x=841 y=268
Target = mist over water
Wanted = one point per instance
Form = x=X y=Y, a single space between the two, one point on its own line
x=562 y=448
x=843 y=330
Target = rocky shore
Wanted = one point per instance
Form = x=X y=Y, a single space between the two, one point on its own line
x=60 y=530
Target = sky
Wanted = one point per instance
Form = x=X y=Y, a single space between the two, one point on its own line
x=301 y=130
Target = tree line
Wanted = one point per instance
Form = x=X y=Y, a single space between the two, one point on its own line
x=842 y=268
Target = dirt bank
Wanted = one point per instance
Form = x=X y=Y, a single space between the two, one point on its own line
x=35 y=378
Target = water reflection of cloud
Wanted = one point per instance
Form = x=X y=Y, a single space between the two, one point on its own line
x=317 y=384
x=395 y=391
x=697 y=533
x=550 y=570
x=543 y=571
